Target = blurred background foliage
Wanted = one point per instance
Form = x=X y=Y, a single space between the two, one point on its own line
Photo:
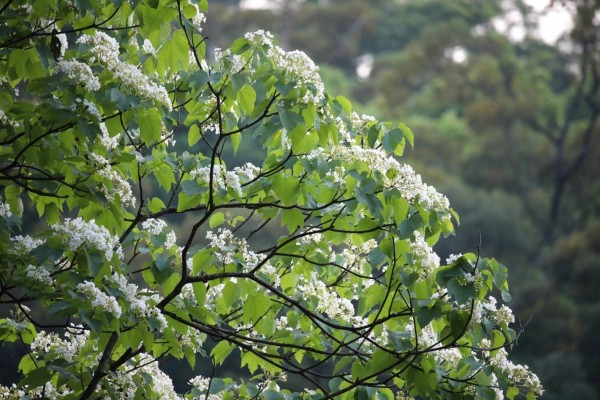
x=506 y=126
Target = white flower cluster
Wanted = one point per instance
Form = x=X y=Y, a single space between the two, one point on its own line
x=5 y=210
x=294 y=65
x=309 y=239
x=148 y=48
x=46 y=391
x=360 y=121
x=81 y=232
x=453 y=257
x=427 y=339
x=489 y=310
x=212 y=294
x=297 y=66
x=90 y=107
x=39 y=274
x=141 y=303
x=260 y=38
x=228 y=245
x=393 y=174
x=170 y=240
x=4 y=119
x=120 y=186
x=24 y=244
x=354 y=256
x=126 y=382
x=198 y=19
x=68 y=348
x=107 y=141
x=80 y=73
x=64 y=44
x=202 y=384
x=519 y=374
x=403 y=396
x=98 y=298
x=154 y=226
x=223 y=179
x=105 y=49
x=330 y=302
x=494 y=385
x=424 y=254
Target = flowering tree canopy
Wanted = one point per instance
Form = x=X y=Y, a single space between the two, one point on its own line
x=158 y=205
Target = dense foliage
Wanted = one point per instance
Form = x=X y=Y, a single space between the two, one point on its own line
x=507 y=129
x=309 y=253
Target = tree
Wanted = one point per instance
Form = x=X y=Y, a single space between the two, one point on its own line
x=314 y=262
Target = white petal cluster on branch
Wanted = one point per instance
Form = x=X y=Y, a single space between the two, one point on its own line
x=78 y=232
x=80 y=73
x=120 y=186
x=105 y=49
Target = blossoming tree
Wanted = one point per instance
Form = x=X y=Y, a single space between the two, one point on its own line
x=316 y=261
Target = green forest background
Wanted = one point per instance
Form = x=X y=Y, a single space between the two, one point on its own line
x=508 y=132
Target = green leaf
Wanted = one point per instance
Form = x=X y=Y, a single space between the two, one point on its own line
x=345 y=103
x=292 y=219
x=252 y=361
x=370 y=200
x=236 y=139
x=512 y=392
x=150 y=123
x=286 y=189
x=303 y=140
x=193 y=135
x=393 y=142
x=458 y=323
x=156 y=204
x=246 y=98
x=36 y=378
x=255 y=307
x=173 y=55
x=221 y=351
x=408 y=134
x=410 y=225
x=216 y=219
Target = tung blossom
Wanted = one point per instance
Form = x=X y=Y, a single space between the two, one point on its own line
x=79 y=232
x=105 y=49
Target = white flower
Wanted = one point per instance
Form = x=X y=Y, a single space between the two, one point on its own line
x=424 y=254
x=39 y=274
x=24 y=244
x=170 y=240
x=453 y=257
x=68 y=348
x=237 y=63
x=517 y=373
x=223 y=179
x=64 y=44
x=198 y=20
x=92 y=109
x=105 y=49
x=297 y=66
x=260 y=38
x=5 y=210
x=81 y=232
x=119 y=185
x=7 y=121
x=154 y=226
x=148 y=48
x=392 y=173
x=106 y=140
x=98 y=298
x=330 y=302
x=80 y=73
